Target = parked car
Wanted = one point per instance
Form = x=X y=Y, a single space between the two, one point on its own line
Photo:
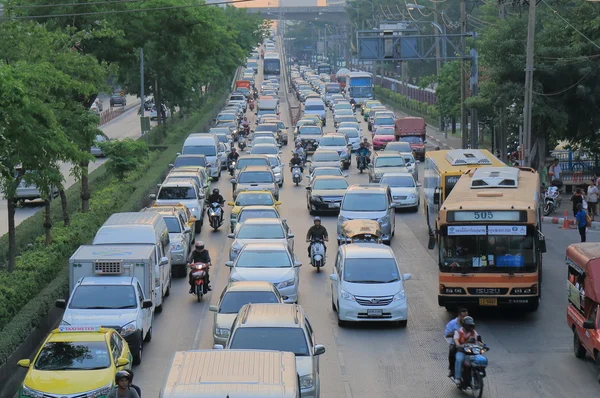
x=118 y=99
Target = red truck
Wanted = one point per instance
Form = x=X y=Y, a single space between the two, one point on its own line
x=412 y=130
x=583 y=292
x=243 y=86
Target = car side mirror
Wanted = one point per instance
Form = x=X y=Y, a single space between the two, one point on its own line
x=231 y=236
x=229 y=264
x=187 y=230
x=171 y=165
x=319 y=349
x=308 y=188
x=218 y=347
x=291 y=236
x=431 y=243
x=178 y=153
x=233 y=182
x=333 y=277
x=24 y=363
x=297 y=264
x=419 y=185
x=60 y=303
x=277 y=203
x=230 y=204
x=589 y=325
x=147 y=304
x=407 y=277
x=152 y=196
x=122 y=362
x=213 y=308
x=164 y=261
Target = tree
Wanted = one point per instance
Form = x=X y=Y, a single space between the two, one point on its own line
x=124 y=156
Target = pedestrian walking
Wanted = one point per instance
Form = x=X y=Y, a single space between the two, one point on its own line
x=577 y=199
x=554 y=170
x=581 y=218
x=592 y=198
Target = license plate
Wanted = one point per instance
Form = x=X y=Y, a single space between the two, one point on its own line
x=334 y=205
x=488 y=302
x=374 y=313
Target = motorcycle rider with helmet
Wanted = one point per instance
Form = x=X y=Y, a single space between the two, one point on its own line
x=232 y=157
x=215 y=197
x=246 y=126
x=200 y=255
x=363 y=150
x=300 y=151
x=296 y=161
x=317 y=232
x=462 y=336
x=122 y=388
x=131 y=385
x=366 y=142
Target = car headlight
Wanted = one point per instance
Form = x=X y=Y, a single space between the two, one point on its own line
x=347 y=296
x=342 y=219
x=176 y=246
x=284 y=284
x=378 y=175
x=412 y=196
x=384 y=220
x=222 y=332
x=194 y=209
x=128 y=329
x=399 y=296
x=100 y=392
x=28 y=392
x=307 y=381
x=316 y=199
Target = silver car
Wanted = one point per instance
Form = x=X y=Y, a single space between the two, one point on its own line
x=260 y=230
x=250 y=160
x=371 y=202
x=272 y=262
x=324 y=158
x=96 y=150
x=353 y=136
x=265 y=149
x=325 y=171
x=277 y=168
x=386 y=162
x=255 y=178
x=340 y=144
x=405 y=191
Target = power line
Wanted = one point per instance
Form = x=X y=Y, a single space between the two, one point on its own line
x=569 y=23
x=69 y=4
x=570 y=87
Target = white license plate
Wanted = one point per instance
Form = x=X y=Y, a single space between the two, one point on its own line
x=334 y=205
x=374 y=313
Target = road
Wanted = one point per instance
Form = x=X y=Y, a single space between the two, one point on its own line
x=124 y=126
x=531 y=354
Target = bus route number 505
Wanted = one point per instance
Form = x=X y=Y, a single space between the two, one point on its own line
x=483 y=215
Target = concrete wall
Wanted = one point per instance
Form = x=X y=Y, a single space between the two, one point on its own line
x=298 y=3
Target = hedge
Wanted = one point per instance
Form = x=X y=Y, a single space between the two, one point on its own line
x=410 y=106
x=41 y=270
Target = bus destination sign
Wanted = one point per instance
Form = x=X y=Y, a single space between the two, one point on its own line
x=487 y=215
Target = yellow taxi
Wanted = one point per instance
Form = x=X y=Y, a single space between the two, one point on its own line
x=250 y=198
x=76 y=361
x=366 y=108
x=316 y=118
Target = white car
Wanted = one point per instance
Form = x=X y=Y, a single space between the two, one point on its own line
x=367 y=285
x=278 y=168
x=186 y=192
x=260 y=230
x=405 y=191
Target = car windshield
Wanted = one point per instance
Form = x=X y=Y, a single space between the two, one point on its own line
x=398 y=181
x=172 y=225
x=412 y=139
x=265 y=140
x=325 y=157
x=270 y=338
x=263 y=259
x=267 y=127
x=103 y=297
x=315 y=107
x=409 y=159
x=323 y=171
x=365 y=202
x=379 y=270
x=342 y=105
x=384 y=121
x=226 y=116
x=189 y=161
x=257 y=214
x=232 y=302
x=255 y=177
x=254 y=199
x=250 y=162
x=346 y=119
x=350 y=124
x=207 y=150
x=257 y=231
x=171 y=193
x=330 y=183
x=396 y=161
x=332 y=141
x=223 y=138
x=384 y=131
x=69 y=355
x=264 y=150
x=274 y=161
x=310 y=130
x=343 y=112
x=219 y=130
x=398 y=147
x=237 y=98
x=350 y=133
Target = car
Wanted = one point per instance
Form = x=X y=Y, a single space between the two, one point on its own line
x=386 y=162
x=353 y=136
x=371 y=115
x=96 y=149
x=188 y=218
x=234 y=297
x=325 y=158
x=189 y=161
x=29 y=191
x=227 y=142
x=349 y=124
x=382 y=136
x=325 y=171
x=280 y=327
x=271 y=262
x=251 y=198
x=340 y=113
x=221 y=130
x=385 y=120
x=180 y=236
x=372 y=202
x=345 y=118
x=199 y=174
x=411 y=164
x=250 y=160
x=405 y=191
x=367 y=105
x=278 y=169
x=265 y=149
x=325 y=193
x=255 y=178
x=343 y=105
x=184 y=191
x=76 y=361
x=264 y=140
x=260 y=230
x=398 y=146
x=238 y=99
x=117 y=99
x=249 y=212
x=226 y=117
x=338 y=143
x=367 y=285
x=309 y=136
x=316 y=118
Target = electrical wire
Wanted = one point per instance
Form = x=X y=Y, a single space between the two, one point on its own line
x=570 y=87
x=69 y=4
x=25 y=17
x=420 y=11
x=481 y=21
x=571 y=25
x=410 y=13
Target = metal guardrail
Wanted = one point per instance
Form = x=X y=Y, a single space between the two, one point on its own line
x=110 y=114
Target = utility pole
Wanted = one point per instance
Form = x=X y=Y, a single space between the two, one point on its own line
x=463 y=89
x=474 y=90
x=142 y=96
x=528 y=103
x=438 y=60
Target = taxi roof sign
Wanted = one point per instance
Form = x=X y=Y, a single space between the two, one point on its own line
x=75 y=328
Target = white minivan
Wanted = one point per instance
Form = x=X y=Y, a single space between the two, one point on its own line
x=142 y=228
x=207 y=145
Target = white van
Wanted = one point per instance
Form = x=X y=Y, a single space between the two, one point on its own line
x=142 y=229
x=207 y=145
x=241 y=373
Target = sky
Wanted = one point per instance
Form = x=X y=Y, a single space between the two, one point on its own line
x=270 y=3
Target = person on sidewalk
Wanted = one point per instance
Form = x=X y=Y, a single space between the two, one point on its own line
x=554 y=170
x=581 y=218
x=592 y=198
x=577 y=199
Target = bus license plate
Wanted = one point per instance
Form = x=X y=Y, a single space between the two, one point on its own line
x=488 y=302
x=375 y=313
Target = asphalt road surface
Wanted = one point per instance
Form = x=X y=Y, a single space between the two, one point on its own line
x=531 y=354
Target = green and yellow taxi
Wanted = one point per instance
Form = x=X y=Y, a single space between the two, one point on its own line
x=316 y=118
x=76 y=361
x=366 y=108
x=250 y=198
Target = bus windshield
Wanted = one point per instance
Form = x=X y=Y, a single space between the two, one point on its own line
x=497 y=248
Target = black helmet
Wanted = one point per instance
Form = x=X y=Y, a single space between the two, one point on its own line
x=233 y=149
x=468 y=323
x=122 y=374
x=199 y=245
x=215 y=191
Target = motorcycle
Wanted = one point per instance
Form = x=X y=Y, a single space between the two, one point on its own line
x=215 y=215
x=242 y=143
x=551 y=200
x=361 y=163
x=231 y=168
x=296 y=174
x=474 y=368
x=199 y=272
x=317 y=254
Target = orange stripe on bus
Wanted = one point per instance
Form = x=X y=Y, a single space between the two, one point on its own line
x=488 y=279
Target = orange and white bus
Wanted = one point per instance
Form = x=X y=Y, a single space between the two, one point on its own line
x=489 y=240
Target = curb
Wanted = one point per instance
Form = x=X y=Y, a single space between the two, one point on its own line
x=439 y=143
x=571 y=221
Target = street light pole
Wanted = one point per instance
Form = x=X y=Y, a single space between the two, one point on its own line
x=142 y=96
x=528 y=103
x=463 y=81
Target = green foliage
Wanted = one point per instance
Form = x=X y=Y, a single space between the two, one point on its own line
x=410 y=106
x=124 y=155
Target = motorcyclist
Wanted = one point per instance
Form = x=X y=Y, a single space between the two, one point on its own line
x=366 y=142
x=463 y=336
x=452 y=327
x=233 y=156
x=296 y=161
x=300 y=151
x=245 y=125
x=200 y=255
x=131 y=385
x=364 y=152
x=122 y=388
x=317 y=231
x=215 y=197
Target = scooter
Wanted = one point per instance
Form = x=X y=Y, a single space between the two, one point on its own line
x=551 y=200
x=231 y=168
x=361 y=163
x=242 y=142
x=296 y=174
x=215 y=215
x=473 y=369
x=317 y=254
x=199 y=272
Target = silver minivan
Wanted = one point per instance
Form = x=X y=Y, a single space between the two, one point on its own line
x=207 y=145
x=370 y=202
x=316 y=107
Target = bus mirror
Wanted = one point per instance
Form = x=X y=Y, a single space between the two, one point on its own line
x=436 y=197
x=431 y=243
x=541 y=242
